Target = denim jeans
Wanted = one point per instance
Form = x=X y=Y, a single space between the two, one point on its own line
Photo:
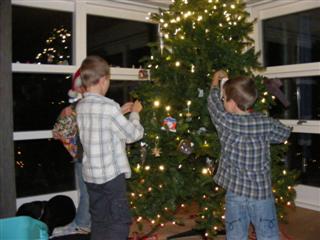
x=82 y=218
x=240 y=211
x=109 y=208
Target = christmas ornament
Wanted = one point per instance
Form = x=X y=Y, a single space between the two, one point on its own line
x=200 y=93
x=222 y=82
x=143 y=74
x=169 y=123
x=211 y=165
x=156 y=151
x=143 y=152
x=186 y=146
x=201 y=130
x=188 y=117
x=188 y=114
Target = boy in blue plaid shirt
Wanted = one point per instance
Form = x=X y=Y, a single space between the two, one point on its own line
x=244 y=165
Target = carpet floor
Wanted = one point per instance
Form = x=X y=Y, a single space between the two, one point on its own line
x=303 y=224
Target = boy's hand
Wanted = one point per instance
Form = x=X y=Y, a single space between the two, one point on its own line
x=217 y=76
x=127 y=107
x=137 y=106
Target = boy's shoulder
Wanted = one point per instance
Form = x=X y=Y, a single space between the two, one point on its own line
x=98 y=100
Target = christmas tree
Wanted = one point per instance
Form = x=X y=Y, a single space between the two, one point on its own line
x=174 y=164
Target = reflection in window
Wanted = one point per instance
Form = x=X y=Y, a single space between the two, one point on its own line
x=38 y=99
x=41 y=36
x=121 y=42
x=304 y=155
x=292 y=39
x=42 y=166
x=303 y=96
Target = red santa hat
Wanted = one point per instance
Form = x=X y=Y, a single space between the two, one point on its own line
x=75 y=93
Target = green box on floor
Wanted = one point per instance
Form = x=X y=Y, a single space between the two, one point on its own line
x=23 y=228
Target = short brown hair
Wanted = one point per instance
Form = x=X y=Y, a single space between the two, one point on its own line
x=242 y=90
x=92 y=69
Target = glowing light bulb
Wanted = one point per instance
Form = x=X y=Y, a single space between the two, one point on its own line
x=204 y=171
x=156 y=103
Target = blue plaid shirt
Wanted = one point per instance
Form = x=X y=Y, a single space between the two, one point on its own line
x=244 y=165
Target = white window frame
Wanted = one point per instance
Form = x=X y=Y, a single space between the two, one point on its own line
x=129 y=10
x=307 y=196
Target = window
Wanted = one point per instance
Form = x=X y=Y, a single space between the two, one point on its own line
x=303 y=97
x=38 y=99
x=288 y=35
x=122 y=43
x=46 y=52
x=42 y=166
x=120 y=90
x=292 y=39
x=41 y=36
x=304 y=155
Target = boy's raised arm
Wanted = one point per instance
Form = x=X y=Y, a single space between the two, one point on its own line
x=279 y=132
x=215 y=105
x=129 y=130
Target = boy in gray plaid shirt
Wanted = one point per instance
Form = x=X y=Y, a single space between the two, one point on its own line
x=244 y=165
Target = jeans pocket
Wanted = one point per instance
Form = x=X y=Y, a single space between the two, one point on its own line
x=120 y=212
x=269 y=227
x=235 y=229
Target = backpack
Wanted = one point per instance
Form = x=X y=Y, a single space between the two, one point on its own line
x=58 y=211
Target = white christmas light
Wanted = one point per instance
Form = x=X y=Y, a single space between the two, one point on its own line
x=156 y=103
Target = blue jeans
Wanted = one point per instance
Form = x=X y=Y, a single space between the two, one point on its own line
x=82 y=218
x=109 y=208
x=240 y=211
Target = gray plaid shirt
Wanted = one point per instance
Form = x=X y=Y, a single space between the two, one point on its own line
x=104 y=132
x=244 y=165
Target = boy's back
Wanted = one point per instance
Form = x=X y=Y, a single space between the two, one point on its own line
x=245 y=153
x=104 y=133
x=244 y=165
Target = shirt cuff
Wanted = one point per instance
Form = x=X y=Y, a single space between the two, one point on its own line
x=134 y=116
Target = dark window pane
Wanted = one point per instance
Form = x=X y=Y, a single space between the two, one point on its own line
x=121 y=42
x=292 y=39
x=304 y=155
x=303 y=96
x=120 y=90
x=41 y=36
x=42 y=166
x=38 y=99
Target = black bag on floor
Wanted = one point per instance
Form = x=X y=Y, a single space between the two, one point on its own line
x=56 y=212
